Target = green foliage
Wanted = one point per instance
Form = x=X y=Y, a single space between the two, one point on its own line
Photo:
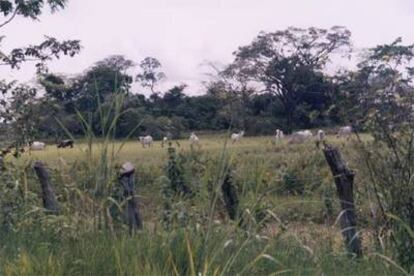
x=30 y=9
x=89 y=236
x=175 y=174
x=292 y=184
x=387 y=74
x=177 y=252
x=288 y=64
x=18 y=109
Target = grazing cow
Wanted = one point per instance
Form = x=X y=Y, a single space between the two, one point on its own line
x=300 y=137
x=194 y=140
x=36 y=145
x=235 y=137
x=279 y=135
x=164 y=141
x=345 y=131
x=146 y=141
x=65 y=143
x=320 y=135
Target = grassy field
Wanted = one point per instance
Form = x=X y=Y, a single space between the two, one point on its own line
x=286 y=197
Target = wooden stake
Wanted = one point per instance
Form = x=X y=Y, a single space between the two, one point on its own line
x=48 y=195
x=344 y=181
x=132 y=210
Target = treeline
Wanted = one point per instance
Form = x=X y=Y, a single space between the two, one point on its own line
x=174 y=111
x=280 y=80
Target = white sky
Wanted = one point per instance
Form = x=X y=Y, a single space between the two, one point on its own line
x=184 y=34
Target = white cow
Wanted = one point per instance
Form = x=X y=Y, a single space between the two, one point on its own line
x=279 y=135
x=194 y=140
x=235 y=137
x=320 y=135
x=36 y=145
x=146 y=141
x=164 y=141
x=300 y=137
x=345 y=131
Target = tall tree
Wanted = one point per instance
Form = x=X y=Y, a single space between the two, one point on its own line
x=102 y=80
x=151 y=73
x=288 y=63
x=116 y=62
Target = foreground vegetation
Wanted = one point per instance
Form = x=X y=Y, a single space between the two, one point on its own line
x=280 y=213
x=287 y=200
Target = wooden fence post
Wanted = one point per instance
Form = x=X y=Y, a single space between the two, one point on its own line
x=48 y=195
x=132 y=210
x=344 y=181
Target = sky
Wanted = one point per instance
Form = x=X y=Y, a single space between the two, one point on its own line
x=185 y=35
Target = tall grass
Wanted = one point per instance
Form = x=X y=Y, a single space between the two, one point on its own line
x=283 y=230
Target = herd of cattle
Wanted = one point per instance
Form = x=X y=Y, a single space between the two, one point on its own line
x=295 y=138
x=35 y=145
x=147 y=141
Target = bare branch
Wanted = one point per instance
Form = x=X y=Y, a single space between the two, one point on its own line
x=10 y=19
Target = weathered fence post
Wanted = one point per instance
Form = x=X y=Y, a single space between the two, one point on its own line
x=132 y=210
x=48 y=195
x=1 y=163
x=344 y=181
x=230 y=197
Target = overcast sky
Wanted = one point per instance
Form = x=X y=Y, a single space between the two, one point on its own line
x=184 y=34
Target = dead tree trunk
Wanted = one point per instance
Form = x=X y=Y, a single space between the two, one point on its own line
x=132 y=210
x=48 y=195
x=344 y=181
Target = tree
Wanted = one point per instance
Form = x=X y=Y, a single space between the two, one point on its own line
x=386 y=75
x=386 y=93
x=18 y=102
x=101 y=81
x=173 y=100
x=289 y=63
x=50 y=48
x=55 y=87
x=19 y=110
x=151 y=74
x=116 y=62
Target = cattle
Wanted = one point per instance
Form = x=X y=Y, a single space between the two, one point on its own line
x=235 y=137
x=194 y=140
x=320 y=138
x=300 y=137
x=345 y=131
x=36 y=145
x=279 y=135
x=146 y=141
x=164 y=141
x=65 y=143
x=320 y=135
x=9 y=150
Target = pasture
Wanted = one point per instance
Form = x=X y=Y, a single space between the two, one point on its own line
x=287 y=199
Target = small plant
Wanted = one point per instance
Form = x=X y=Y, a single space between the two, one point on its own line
x=231 y=199
x=291 y=184
x=175 y=174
